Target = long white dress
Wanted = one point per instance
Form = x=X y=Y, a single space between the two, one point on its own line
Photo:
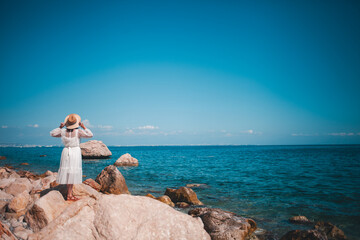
x=70 y=170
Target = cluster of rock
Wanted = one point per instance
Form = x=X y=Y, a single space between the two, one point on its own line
x=31 y=209
x=94 y=149
x=320 y=230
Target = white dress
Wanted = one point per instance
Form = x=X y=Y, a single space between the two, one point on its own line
x=70 y=170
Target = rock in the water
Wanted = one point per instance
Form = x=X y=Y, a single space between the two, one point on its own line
x=330 y=230
x=196 y=185
x=45 y=209
x=43 y=155
x=304 y=234
x=20 y=202
x=182 y=205
x=222 y=225
x=126 y=160
x=165 y=199
x=112 y=181
x=150 y=196
x=2 y=158
x=18 y=186
x=299 y=220
x=183 y=194
x=24 y=163
x=91 y=182
x=94 y=149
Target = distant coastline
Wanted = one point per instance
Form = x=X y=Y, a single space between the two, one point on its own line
x=185 y=145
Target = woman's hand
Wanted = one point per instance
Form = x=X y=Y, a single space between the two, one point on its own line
x=82 y=125
x=62 y=125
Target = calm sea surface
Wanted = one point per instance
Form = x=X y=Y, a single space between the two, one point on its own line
x=267 y=183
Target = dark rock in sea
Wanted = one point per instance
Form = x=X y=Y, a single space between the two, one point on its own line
x=304 y=234
x=182 y=205
x=223 y=225
x=183 y=194
x=2 y=158
x=24 y=163
x=94 y=149
x=165 y=199
x=262 y=234
x=300 y=220
x=330 y=230
x=9 y=166
x=112 y=181
x=43 y=155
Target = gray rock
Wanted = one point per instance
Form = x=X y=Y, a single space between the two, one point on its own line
x=223 y=225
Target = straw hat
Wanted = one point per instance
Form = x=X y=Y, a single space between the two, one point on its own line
x=72 y=121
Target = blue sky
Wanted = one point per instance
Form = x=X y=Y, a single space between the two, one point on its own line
x=182 y=72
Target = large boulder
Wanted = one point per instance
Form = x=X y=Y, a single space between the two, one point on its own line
x=19 y=202
x=112 y=181
x=121 y=217
x=126 y=160
x=304 y=234
x=94 y=149
x=222 y=225
x=45 y=209
x=183 y=194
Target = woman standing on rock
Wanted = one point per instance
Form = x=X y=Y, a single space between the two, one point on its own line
x=70 y=171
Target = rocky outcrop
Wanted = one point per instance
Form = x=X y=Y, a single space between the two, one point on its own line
x=112 y=181
x=304 y=234
x=92 y=183
x=126 y=160
x=94 y=149
x=121 y=217
x=8 y=173
x=222 y=225
x=45 y=209
x=183 y=194
x=330 y=230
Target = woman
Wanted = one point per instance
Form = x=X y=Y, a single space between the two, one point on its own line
x=70 y=171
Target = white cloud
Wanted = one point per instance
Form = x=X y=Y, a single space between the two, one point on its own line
x=341 y=134
x=4 y=126
x=147 y=127
x=304 y=134
x=105 y=127
x=87 y=123
x=33 y=125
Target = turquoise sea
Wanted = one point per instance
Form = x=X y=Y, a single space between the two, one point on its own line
x=266 y=183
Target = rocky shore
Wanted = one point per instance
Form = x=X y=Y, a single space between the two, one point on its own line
x=34 y=206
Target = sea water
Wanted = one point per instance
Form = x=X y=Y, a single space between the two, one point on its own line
x=267 y=183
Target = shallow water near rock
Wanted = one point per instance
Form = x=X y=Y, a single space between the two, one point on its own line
x=267 y=183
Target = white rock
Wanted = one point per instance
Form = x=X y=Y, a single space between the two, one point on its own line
x=18 y=186
x=126 y=160
x=94 y=149
x=45 y=209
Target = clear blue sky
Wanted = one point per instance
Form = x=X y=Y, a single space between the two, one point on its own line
x=182 y=72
